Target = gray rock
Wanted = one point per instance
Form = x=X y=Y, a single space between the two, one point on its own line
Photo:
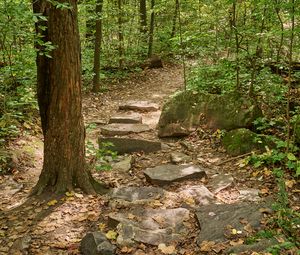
x=123 y=165
x=135 y=194
x=241 y=141
x=96 y=243
x=220 y=182
x=143 y=106
x=20 y=245
x=123 y=129
x=259 y=246
x=166 y=174
x=200 y=194
x=128 y=145
x=151 y=226
x=214 y=219
x=189 y=109
x=249 y=194
x=126 y=118
x=179 y=157
x=10 y=187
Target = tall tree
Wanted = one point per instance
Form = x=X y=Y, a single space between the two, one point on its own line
x=143 y=16
x=59 y=99
x=97 y=49
x=151 y=31
x=120 y=33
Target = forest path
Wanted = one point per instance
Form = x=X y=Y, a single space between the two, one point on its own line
x=56 y=226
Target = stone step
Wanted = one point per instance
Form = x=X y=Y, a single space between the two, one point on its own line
x=143 y=106
x=128 y=145
x=127 y=118
x=123 y=129
x=167 y=174
x=150 y=226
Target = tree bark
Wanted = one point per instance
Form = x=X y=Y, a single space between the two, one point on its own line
x=143 y=17
x=175 y=18
x=97 y=50
x=151 y=31
x=120 y=34
x=59 y=99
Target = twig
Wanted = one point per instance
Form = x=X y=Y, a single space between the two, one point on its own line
x=237 y=157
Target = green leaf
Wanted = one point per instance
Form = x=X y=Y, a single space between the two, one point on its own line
x=291 y=156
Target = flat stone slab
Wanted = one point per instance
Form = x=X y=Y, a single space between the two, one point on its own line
x=143 y=106
x=123 y=129
x=126 y=118
x=136 y=194
x=166 y=174
x=96 y=243
x=124 y=165
x=179 y=157
x=249 y=194
x=150 y=226
x=128 y=145
x=200 y=194
x=220 y=181
x=215 y=219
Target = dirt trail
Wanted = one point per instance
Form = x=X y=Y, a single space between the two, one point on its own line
x=57 y=229
x=56 y=226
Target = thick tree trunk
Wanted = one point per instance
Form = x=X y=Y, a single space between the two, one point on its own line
x=97 y=50
x=59 y=98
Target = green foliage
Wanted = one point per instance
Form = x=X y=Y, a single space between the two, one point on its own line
x=100 y=158
x=17 y=71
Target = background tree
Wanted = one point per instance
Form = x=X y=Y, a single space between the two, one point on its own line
x=97 y=50
x=59 y=98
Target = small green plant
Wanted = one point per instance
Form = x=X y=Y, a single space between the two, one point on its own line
x=101 y=158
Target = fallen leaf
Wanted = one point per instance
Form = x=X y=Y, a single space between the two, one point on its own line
x=235 y=243
x=166 y=249
x=130 y=216
x=290 y=183
x=111 y=235
x=264 y=191
x=190 y=201
x=207 y=246
x=52 y=202
x=126 y=249
x=101 y=226
x=69 y=194
x=248 y=228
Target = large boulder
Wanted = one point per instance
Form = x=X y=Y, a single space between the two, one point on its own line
x=240 y=141
x=188 y=109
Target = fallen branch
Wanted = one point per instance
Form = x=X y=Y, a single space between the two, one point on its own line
x=237 y=157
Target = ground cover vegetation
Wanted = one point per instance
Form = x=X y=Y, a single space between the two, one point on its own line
x=250 y=47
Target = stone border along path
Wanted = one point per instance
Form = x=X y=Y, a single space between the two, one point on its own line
x=140 y=214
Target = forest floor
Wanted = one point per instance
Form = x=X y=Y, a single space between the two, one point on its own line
x=56 y=225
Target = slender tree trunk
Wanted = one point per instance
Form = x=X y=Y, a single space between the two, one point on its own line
x=59 y=99
x=97 y=50
x=120 y=34
x=151 y=31
x=277 y=9
x=237 y=44
x=175 y=16
x=143 y=17
x=291 y=47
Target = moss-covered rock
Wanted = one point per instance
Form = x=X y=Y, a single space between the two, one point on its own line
x=189 y=108
x=240 y=141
